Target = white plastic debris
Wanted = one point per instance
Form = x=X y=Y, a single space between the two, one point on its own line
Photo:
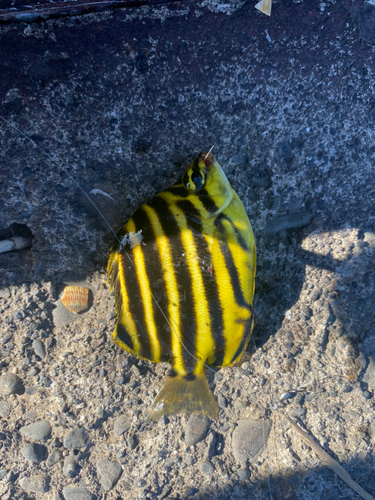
x=99 y=191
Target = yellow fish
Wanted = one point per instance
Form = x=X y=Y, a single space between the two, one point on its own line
x=183 y=275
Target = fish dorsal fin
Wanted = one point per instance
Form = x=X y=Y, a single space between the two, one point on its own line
x=264 y=6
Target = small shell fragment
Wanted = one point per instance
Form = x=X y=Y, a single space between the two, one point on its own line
x=264 y=6
x=75 y=298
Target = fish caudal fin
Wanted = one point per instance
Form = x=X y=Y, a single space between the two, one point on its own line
x=189 y=394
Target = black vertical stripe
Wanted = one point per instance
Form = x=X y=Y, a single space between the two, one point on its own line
x=209 y=281
x=135 y=302
x=188 y=324
x=221 y=234
x=154 y=271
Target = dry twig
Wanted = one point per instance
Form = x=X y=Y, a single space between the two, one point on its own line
x=328 y=460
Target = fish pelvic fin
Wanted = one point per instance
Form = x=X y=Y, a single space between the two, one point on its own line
x=184 y=393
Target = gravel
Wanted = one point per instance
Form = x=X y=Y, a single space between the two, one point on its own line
x=207 y=468
x=249 y=438
x=38 y=431
x=108 y=473
x=70 y=467
x=196 y=429
x=11 y=384
x=77 y=493
x=39 y=348
x=35 y=453
x=122 y=424
x=77 y=439
x=35 y=484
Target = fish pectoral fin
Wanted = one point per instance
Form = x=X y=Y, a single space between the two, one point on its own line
x=189 y=394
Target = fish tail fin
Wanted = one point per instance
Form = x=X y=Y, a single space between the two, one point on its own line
x=189 y=393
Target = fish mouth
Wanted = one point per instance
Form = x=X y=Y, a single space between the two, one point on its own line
x=207 y=158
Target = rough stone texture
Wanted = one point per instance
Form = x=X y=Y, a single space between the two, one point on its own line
x=76 y=439
x=196 y=429
x=38 y=431
x=249 y=439
x=35 y=484
x=123 y=100
x=77 y=493
x=35 y=453
x=11 y=384
x=122 y=424
x=108 y=473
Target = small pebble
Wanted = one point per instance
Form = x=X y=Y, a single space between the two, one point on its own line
x=11 y=384
x=108 y=473
x=207 y=468
x=122 y=424
x=70 y=467
x=222 y=402
x=4 y=293
x=35 y=484
x=7 y=338
x=30 y=391
x=196 y=429
x=243 y=474
x=76 y=439
x=4 y=409
x=249 y=439
x=53 y=458
x=3 y=473
x=77 y=493
x=39 y=348
x=38 y=431
x=35 y=453
x=132 y=441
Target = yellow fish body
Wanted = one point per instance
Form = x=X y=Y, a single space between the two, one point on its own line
x=183 y=278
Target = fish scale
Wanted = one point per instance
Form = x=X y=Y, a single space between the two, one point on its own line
x=183 y=278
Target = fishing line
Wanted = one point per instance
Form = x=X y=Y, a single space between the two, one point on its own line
x=105 y=220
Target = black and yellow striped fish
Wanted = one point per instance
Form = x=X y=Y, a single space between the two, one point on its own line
x=183 y=279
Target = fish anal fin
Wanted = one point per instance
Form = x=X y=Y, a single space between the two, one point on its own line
x=189 y=394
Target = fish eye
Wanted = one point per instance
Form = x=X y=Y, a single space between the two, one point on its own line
x=198 y=180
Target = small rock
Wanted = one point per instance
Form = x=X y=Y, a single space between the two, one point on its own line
x=369 y=375
x=39 y=348
x=35 y=453
x=122 y=424
x=4 y=293
x=211 y=446
x=7 y=338
x=76 y=493
x=108 y=473
x=3 y=473
x=243 y=474
x=196 y=429
x=30 y=391
x=76 y=439
x=39 y=431
x=207 y=468
x=35 y=484
x=132 y=441
x=4 y=409
x=249 y=439
x=70 y=466
x=11 y=384
x=53 y=458
x=222 y=402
